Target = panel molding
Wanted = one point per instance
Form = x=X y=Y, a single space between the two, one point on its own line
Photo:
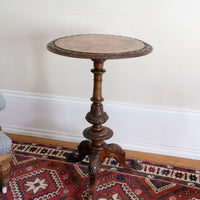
x=152 y=129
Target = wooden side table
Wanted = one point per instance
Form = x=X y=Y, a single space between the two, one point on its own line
x=98 y=48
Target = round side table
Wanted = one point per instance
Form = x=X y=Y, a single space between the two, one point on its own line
x=99 y=48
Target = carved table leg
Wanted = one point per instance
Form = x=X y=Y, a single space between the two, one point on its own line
x=97 y=156
x=4 y=171
x=93 y=170
x=83 y=150
x=115 y=151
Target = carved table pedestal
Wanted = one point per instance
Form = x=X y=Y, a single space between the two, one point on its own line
x=99 y=48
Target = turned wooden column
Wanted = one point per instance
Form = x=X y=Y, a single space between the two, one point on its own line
x=97 y=133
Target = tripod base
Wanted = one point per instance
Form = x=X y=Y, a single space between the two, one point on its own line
x=97 y=156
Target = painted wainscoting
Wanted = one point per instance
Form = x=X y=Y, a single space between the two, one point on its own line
x=152 y=129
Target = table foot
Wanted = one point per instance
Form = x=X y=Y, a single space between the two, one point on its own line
x=114 y=150
x=83 y=151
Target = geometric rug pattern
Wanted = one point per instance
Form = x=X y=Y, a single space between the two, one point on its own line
x=40 y=172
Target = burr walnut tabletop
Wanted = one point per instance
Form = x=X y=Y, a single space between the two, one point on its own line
x=99 y=48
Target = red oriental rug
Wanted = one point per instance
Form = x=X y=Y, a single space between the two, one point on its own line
x=40 y=172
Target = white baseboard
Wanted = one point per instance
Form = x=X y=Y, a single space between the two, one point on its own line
x=152 y=129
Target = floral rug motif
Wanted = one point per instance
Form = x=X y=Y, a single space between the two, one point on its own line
x=40 y=172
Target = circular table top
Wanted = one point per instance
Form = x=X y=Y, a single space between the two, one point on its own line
x=99 y=46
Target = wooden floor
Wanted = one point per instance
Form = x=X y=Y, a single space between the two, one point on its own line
x=132 y=154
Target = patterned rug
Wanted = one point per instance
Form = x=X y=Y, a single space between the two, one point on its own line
x=40 y=172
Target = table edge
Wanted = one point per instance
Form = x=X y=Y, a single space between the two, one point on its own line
x=88 y=55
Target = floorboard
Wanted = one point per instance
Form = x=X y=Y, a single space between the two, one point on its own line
x=162 y=159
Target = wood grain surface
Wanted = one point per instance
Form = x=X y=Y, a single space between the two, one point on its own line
x=99 y=46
